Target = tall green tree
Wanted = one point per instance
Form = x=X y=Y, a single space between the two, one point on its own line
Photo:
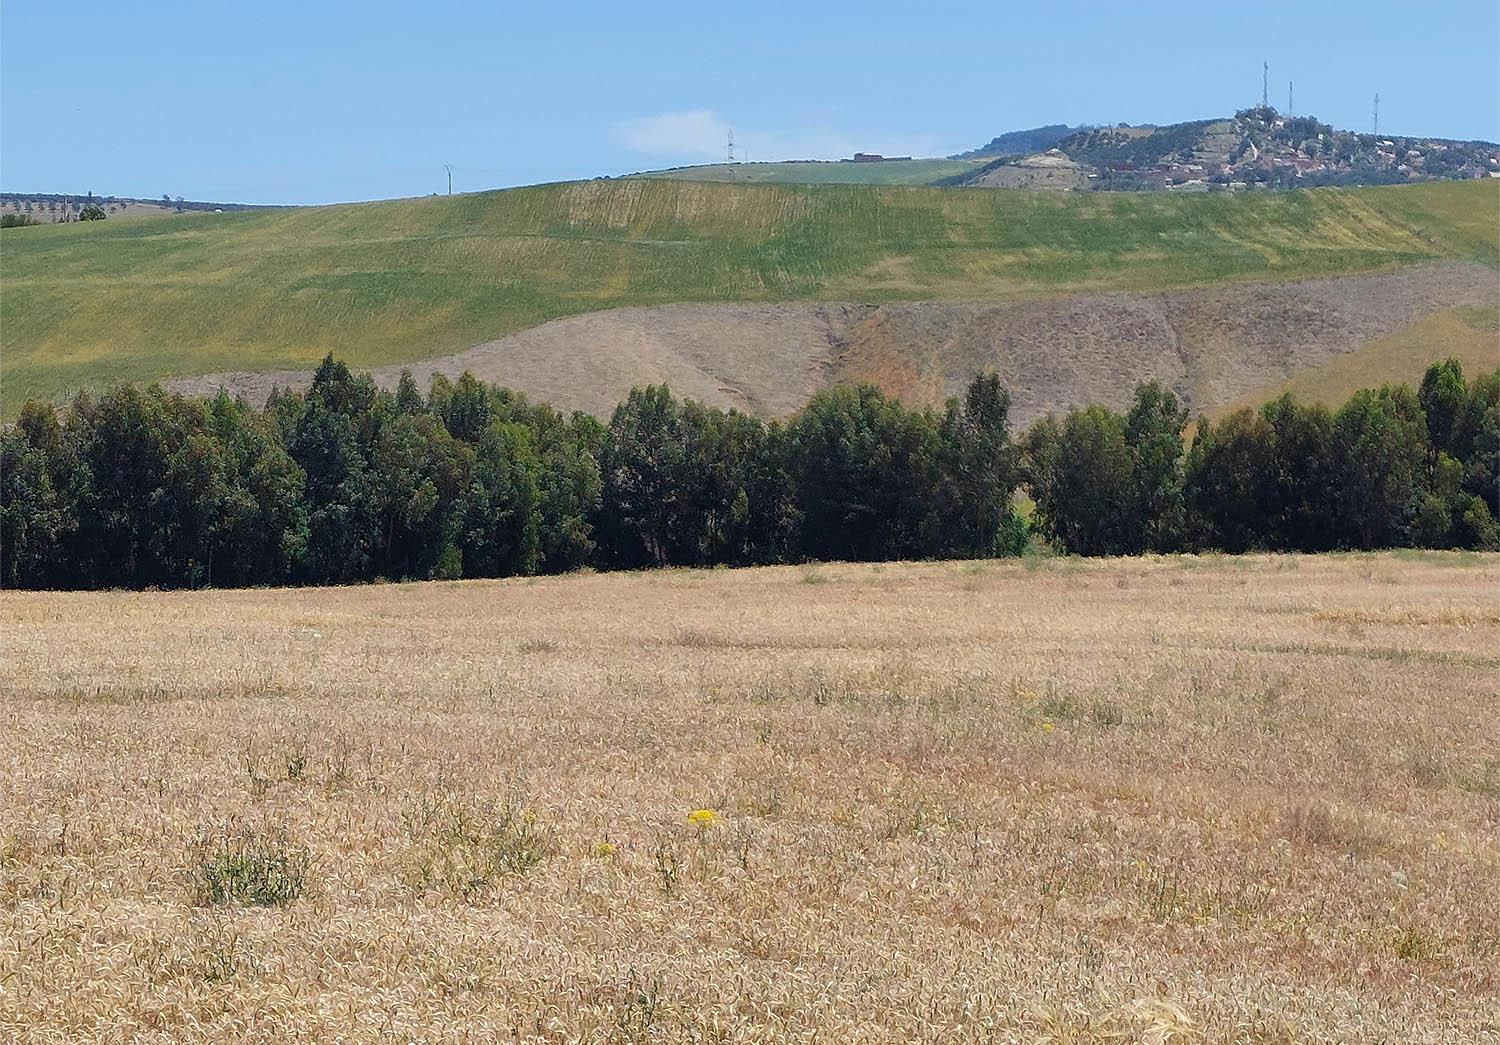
x=1081 y=473
x=1153 y=430
x=1380 y=457
x=263 y=527
x=345 y=531
x=641 y=466
x=38 y=502
x=1231 y=478
x=1443 y=395
x=865 y=475
x=981 y=469
x=1299 y=508
x=1476 y=441
x=417 y=473
x=502 y=505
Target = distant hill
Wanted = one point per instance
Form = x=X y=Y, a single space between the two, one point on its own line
x=1020 y=143
x=824 y=172
x=47 y=208
x=1255 y=147
x=916 y=277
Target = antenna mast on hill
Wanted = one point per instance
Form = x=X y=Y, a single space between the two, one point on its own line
x=729 y=150
x=1265 y=84
x=1289 y=109
x=1375 y=115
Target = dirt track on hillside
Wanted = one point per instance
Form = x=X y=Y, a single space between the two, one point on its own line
x=1211 y=345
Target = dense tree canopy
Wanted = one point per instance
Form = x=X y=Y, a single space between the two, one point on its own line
x=349 y=483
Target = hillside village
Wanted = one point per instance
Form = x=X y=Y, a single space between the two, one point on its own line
x=1257 y=147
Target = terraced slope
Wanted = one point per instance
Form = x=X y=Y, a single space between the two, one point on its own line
x=398 y=281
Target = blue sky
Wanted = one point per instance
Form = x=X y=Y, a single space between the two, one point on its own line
x=281 y=102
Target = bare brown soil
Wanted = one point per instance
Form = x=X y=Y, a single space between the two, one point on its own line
x=1212 y=345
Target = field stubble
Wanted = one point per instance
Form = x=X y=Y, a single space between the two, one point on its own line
x=1163 y=799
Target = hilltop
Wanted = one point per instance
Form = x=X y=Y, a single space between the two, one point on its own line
x=1255 y=147
x=405 y=281
x=1020 y=143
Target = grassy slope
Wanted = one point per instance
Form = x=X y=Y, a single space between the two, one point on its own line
x=1471 y=335
x=407 y=279
x=891 y=172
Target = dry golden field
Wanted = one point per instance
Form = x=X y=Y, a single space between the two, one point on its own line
x=1180 y=799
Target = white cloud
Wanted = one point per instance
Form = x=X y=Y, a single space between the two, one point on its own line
x=700 y=134
x=697 y=135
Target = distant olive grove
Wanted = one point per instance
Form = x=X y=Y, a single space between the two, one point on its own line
x=349 y=483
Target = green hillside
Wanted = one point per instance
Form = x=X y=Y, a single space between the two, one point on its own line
x=82 y=304
x=807 y=172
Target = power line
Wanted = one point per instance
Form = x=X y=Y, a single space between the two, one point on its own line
x=730 y=148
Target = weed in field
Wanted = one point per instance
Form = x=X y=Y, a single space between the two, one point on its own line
x=1160 y=889
x=640 y=1010
x=1427 y=767
x=296 y=765
x=669 y=864
x=223 y=959
x=467 y=848
x=1412 y=945
x=1311 y=823
x=918 y=818
x=1483 y=779
x=1106 y=713
x=232 y=863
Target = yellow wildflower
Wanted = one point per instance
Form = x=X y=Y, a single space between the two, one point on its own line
x=1048 y=727
x=604 y=850
x=703 y=819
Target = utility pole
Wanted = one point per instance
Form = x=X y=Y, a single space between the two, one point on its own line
x=449 y=168
x=729 y=150
x=1375 y=116
x=1265 y=84
x=1289 y=108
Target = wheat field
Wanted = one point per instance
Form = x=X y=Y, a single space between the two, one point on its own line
x=1166 y=799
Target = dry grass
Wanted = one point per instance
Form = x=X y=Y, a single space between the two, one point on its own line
x=1196 y=799
x=1470 y=334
